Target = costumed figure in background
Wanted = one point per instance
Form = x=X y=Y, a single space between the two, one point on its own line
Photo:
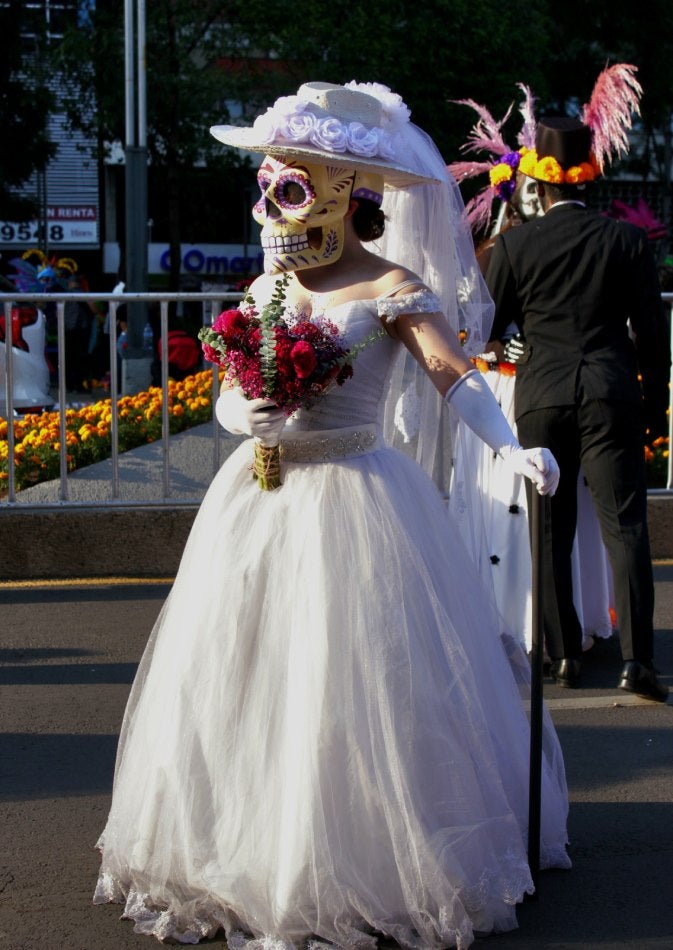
x=585 y=292
x=31 y=374
x=500 y=539
x=327 y=736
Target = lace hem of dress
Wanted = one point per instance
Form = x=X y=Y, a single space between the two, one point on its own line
x=451 y=925
x=418 y=301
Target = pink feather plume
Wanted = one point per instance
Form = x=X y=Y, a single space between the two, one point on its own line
x=479 y=210
x=526 y=136
x=462 y=170
x=614 y=99
x=641 y=215
x=485 y=135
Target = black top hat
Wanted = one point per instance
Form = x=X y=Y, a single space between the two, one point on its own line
x=566 y=140
x=562 y=153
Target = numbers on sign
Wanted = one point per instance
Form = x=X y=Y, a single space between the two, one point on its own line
x=32 y=232
x=28 y=232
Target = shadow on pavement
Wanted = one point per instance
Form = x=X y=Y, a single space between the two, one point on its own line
x=55 y=766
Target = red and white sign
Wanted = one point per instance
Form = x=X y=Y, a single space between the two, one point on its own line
x=66 y=225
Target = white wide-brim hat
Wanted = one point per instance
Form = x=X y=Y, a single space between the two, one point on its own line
x=335 y=125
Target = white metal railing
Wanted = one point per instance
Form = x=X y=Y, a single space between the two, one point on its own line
x=211 y=303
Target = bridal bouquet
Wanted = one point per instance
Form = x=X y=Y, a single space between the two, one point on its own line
x=292 y=363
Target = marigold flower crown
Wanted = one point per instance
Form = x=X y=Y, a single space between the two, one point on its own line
x=605 y=120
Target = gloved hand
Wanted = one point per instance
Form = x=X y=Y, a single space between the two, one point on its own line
x=476 y=405
x=260 y=418
x=537 y=464
x=517 y=350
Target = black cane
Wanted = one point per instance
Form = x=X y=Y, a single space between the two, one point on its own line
x=538 y=511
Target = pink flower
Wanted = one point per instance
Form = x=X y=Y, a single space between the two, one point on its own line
x=212 y=355
x=303 y=359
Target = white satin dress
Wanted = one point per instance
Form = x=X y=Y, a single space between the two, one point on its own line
x=327 y=737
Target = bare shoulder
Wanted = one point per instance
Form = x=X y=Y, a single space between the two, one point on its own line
x=395 y=279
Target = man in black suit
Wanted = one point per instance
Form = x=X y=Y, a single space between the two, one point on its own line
x=573 y=281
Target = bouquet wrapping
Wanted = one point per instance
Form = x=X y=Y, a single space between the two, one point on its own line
x=290 y=362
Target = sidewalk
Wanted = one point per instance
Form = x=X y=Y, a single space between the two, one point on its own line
x=147 y=541
x=68 y=653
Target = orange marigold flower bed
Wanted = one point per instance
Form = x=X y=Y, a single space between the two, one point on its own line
x=88 y=429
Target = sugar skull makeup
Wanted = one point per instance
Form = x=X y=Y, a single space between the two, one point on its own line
x=301 y=209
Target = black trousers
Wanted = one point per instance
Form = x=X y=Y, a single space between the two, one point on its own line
x=606 y=439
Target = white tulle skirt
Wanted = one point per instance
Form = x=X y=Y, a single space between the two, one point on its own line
x=327 y=735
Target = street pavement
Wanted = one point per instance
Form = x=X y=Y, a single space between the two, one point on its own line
x=68 y=653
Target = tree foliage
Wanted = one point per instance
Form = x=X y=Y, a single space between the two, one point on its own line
x=24 y=109
x=218 y=60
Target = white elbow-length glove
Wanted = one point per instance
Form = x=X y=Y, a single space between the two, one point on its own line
x=260 y=418
x=476 y=405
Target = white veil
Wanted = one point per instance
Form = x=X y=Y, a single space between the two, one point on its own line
x=427 y=231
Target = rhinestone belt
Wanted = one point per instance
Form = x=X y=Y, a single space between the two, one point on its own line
x=329 y=445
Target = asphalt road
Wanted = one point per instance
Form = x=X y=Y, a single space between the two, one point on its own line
x=68 y=653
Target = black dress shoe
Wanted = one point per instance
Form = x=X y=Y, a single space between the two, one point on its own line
x=641 y=679
x=566 y=672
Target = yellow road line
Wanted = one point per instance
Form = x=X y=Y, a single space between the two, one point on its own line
x=87 y=582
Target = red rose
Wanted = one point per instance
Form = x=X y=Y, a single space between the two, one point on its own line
x=230 y=324
x=307 y=331
x=304 y=359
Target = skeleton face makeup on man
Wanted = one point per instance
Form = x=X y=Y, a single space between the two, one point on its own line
x=525 y=198
x=301 y=209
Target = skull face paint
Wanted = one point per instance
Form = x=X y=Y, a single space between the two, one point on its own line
x=301 y=209
x=525 y=198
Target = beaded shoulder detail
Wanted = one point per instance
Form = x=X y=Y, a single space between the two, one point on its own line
x=418 y=301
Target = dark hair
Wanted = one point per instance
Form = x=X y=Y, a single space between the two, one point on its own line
x=564 y=192
x=368 y=220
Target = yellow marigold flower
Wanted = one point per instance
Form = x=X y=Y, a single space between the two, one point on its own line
x=499 y=173
x=528 y=161
x=548 y=169
x=178 y=410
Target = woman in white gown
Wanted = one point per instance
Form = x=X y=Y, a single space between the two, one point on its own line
x=327 y=736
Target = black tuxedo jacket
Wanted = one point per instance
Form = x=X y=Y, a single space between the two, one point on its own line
x=571 y=280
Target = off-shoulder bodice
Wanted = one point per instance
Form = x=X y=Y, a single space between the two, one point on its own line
x=360 y=401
